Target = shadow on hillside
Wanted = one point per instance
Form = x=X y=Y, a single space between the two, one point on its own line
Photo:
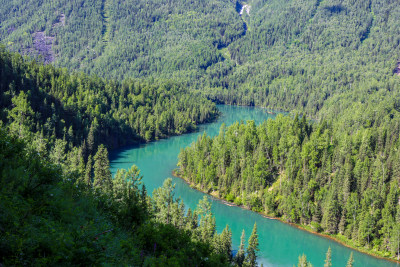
x=335 y=8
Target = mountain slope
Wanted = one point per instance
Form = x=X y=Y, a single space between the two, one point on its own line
x=287 y=55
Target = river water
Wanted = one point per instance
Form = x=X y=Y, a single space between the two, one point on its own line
x=280 y=244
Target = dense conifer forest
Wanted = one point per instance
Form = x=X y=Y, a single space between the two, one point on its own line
x=339 y=179
x=51 y=218
x=287 y=55
x=102 y=74
x=59 y=203
x=86 y=110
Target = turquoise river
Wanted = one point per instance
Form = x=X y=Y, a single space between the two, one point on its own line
x=280 y=243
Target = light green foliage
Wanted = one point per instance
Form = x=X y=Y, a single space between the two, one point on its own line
x=350 y=261
x=207 y=226
x=303 y=262
x=21 y=114
x=328 y=259
x=102 y=174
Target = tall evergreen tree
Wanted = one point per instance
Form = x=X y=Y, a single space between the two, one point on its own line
x=395 y=242
x=21 y=115
x=88 y=171
x=350 y=261
x=328 y=259
x=223 y=243
x=102 y=175
x=207 y=225
x=239 y=259
x=252 y=249
x=303 y=262
x=163 y=199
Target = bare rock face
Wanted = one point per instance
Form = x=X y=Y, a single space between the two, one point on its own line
x=42 y=45
x=397 y=69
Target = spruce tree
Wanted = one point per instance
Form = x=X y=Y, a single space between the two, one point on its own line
x=395 y=244
x=328 y=259
x=226 y=240
x=102 y=174
x=350 y=261
x=303 y=262
x=240 y=254
x=252 y=249
x=21 y=115
x=88 y=171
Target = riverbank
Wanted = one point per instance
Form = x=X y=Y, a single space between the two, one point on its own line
x=337 y=238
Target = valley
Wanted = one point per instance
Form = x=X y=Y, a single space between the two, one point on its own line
x=289 y=109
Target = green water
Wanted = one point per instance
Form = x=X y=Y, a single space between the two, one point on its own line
x=280 y=244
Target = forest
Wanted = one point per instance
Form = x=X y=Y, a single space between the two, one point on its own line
x=62 y=112
x=50 y=218
x=340 y=182
x=78 y=78
x=288 y=55
x=59 y=203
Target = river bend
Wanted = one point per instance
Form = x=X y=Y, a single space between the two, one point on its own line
x=280 y=244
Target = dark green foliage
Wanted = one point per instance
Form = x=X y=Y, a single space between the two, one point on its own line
x=59 y=204
x=102 y=174
x=47 y=218
x=252 y=248
x=239 y=259
x=87 y=111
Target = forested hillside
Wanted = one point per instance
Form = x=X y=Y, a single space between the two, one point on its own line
x=287 y=55
x=59 y=204
x=79 y=110
x=47 y=218
x=339 y=179
x=136 y=71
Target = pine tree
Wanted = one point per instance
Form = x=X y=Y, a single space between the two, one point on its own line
x=350 y=261
x=88 y=171
x=91 y=139
x=223 y=243
x=207 y=224
x=163 y=198
x=252 y=249
x=395 y=244
x=240 y=254
x=143 y=197
x=102 y=174
x=303 y=262
x=330 y=219
x=191 y=220
x=328 y=259
x=21 y=115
